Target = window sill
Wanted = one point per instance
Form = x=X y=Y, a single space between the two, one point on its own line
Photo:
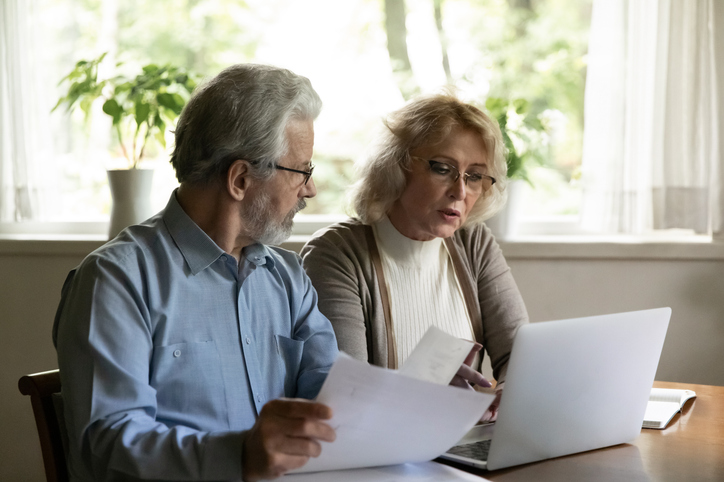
x=523 y=247
x=613 y=247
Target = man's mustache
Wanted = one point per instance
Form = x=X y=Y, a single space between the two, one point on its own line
x=300 y=205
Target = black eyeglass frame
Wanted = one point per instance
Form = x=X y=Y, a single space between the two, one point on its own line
x=465 y=175
x=307 y=174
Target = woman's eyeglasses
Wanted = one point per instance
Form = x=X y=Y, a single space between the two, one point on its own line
x=476 y=182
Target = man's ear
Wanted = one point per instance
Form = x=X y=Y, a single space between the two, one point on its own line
x=238 y=179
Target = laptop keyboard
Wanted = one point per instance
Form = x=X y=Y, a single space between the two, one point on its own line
x=476 y=450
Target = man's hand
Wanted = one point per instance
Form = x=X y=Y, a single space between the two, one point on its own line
x=284 y=436
x=467 y=376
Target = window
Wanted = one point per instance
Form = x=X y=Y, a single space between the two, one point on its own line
x=365 y=58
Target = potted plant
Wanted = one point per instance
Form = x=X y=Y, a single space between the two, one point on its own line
x=524 y=135
x=141 y=108
x=527 y=142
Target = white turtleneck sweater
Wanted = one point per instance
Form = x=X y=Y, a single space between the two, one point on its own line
x=423 y=288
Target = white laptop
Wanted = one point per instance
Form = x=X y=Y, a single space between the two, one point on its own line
x=572 y=385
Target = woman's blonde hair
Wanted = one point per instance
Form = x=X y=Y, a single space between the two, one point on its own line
x=426 y=121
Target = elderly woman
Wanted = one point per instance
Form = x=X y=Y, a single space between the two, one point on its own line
x=418 y=253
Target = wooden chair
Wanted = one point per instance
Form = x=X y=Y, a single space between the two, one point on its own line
x=41 y=387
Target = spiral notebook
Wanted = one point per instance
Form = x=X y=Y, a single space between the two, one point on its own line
x=663 y=404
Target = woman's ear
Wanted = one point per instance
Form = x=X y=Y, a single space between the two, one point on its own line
x=238 y=179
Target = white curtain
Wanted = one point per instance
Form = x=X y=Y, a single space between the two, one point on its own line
x=25 y=135
x=652 y=153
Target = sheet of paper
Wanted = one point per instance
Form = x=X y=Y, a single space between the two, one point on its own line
x=420 y=472
x=384 y=418
x=437 y=357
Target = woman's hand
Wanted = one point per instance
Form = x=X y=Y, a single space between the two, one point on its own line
x=491 y=414
x=467 y=376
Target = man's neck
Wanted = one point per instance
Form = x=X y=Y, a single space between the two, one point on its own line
x=217 y=214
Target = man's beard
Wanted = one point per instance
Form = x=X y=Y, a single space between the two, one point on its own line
x=261 y=225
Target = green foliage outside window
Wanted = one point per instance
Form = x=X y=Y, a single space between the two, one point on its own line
x=503 y=49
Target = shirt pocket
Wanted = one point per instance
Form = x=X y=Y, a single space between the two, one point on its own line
x=190 y=386
x=290 y=352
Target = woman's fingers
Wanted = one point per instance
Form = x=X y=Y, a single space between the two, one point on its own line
x=472 y=376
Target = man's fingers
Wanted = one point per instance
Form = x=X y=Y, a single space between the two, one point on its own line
x=298 y=418
x=297 y=408
x=472 y=376
x=305 y=428
x=305 y=447
x=286 y=434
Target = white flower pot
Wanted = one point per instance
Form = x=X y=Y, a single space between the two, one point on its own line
x=131 y=194
x=504 y=225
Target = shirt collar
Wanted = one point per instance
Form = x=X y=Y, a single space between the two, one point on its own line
x=259 y=255
x=197 y=248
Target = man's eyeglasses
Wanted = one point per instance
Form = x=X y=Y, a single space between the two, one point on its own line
x=476 y=182
x=307 y=174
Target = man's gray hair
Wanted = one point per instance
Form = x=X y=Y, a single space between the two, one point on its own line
x=426 y=121
x=242 y=113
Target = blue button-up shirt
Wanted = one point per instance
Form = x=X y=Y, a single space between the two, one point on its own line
x=168 y=349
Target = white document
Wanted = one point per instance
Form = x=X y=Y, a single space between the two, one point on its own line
x=384 y=418
x=421 y=472
x=437 y=357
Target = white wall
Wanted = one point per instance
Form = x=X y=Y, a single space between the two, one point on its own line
x=556 y=280
x=694 y=347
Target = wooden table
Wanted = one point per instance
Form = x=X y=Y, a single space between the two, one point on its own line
x=691 y=448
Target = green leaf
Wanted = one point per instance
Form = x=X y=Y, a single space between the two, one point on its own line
x=113 y=109
x=158 y=122
x=142 y=111
x=122 y=87
x=160 y=138
x=180 y=102
x=496 y=106
x=85 y=104
x=160 y=131
x=521 y=106
x=167 y=100
x=515 y=165
x=503 y=122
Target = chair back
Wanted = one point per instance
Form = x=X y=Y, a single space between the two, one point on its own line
x=44 y=391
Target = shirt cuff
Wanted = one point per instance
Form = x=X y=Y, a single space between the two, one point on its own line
x=222 y=456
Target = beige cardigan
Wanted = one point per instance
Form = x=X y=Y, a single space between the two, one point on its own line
x=337 y=260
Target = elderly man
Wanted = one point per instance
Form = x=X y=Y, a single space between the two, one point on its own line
x=178 y=340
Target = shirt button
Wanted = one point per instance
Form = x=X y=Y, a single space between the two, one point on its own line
x=258 y=398
x=177 y=353
x=248 y=340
